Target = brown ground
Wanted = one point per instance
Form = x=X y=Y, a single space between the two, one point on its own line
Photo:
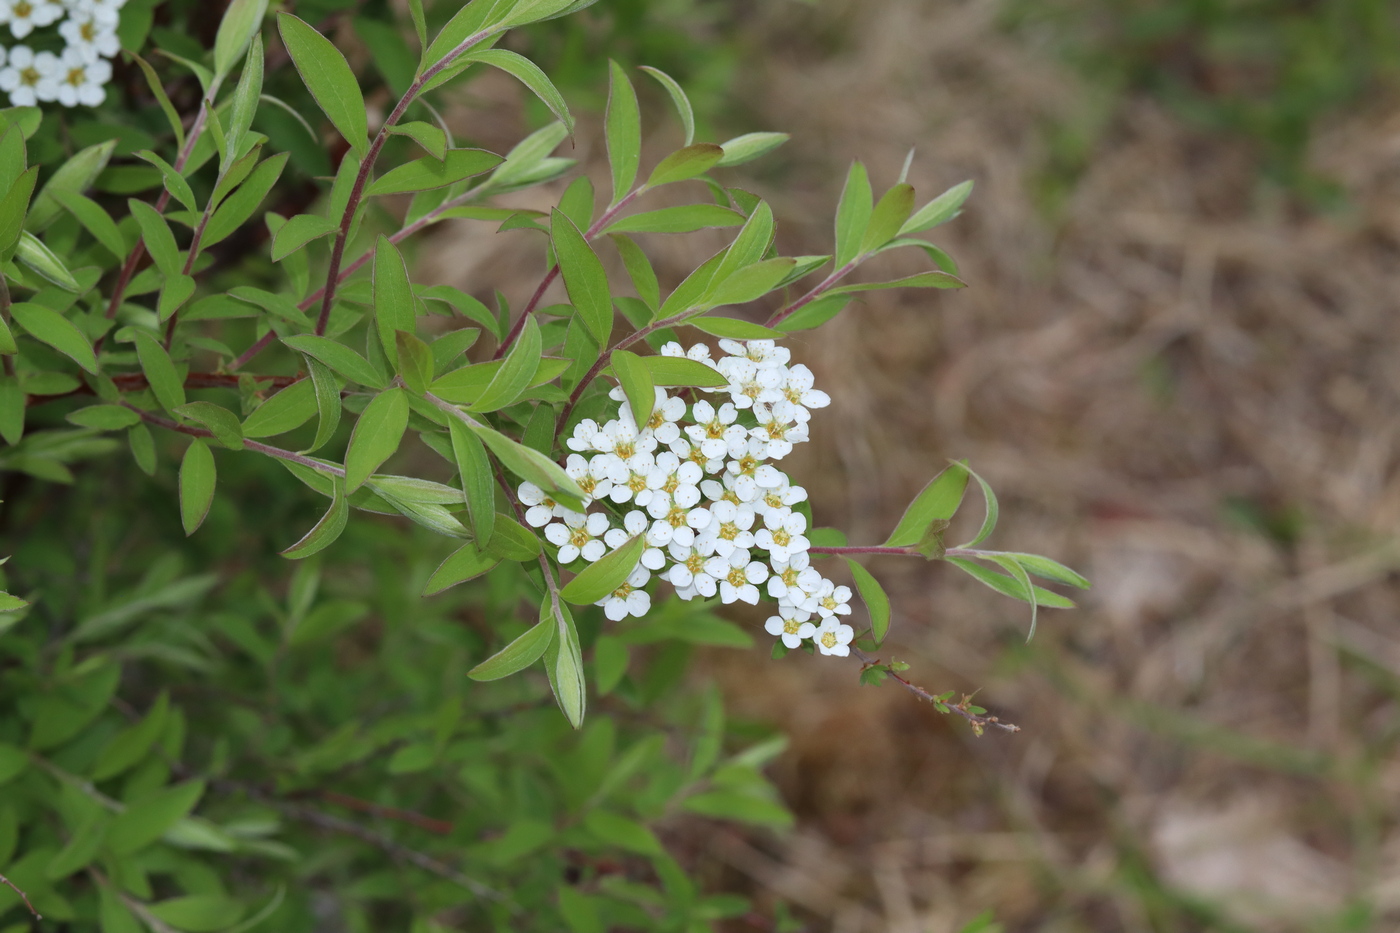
x=1185 y=389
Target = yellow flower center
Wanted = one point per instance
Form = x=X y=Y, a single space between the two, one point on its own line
x=729 y=531
x=579 y=537
x=773 y=500
x=781 y=538
x=715 y=429
x=736 y=577
x=695 y=563
x=23 y=10
x=656 y=420
x=30 y=76
x=793 y=395
x=677 y=516
x=752 y=389
x=777 y=431
x=829 y=602
x=636 y=482
x=623 y=591
x=673 y=482
x=587 y=483
x=790 y=626
x=626 y=450
x=829 y=639
x=748 y=465
x=88 y=31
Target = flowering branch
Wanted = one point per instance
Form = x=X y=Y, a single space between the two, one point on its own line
x=963 y=708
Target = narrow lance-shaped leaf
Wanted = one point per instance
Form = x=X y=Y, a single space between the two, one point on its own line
x=853 y=214
x=222 y=422
x=564 y=664
x=285 y=411
x=429 y=136
x=478 y=482
x=1049 y=569
x=887 y=217
x=175 y=183
x=636 y=382
x=750 y=146
x=516 y=373
x=750 y=283
x=875 y=600
x=376 y=436
x=325 y=531
x=680 y=371
x=327 y=390
x=297 y=232
x=749 y=246
x=95 y=221
x=197 y=480
x=530 y=75
x=241 y=23
x=679 y=98
x=604 y=575
x=160 y=372
x=50 y=327
x=1009 y=586
x=394 y=307
x=1013 y=567
x=77 y=174
x=640 y=270
x=431 y=172
x=940 y=210
x=584 y=277
x=244 y=202
x=329 y=79
x=623 y=131
x=683 y=164
x=465 y=563
x=245 y=98
x=993 y=511
x=519 y=654
x=686 y=218
x=415 y=361
x=939 y=500
x=532 y=466
x=338 y=357
x=155 y=232
x=32 y=252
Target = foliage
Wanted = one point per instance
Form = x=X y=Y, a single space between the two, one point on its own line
x=185 y=728
x=1266 y=71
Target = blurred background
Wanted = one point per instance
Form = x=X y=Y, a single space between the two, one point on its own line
x=1176 y=363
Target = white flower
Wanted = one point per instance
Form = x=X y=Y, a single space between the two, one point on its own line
x=782 y=496
x=795 y=581
x=541 y=507
x=791 y=626
x=674 y=481
x=80 y=81
x=728 y=529
x=685 y=450
x=715 y=431
x=782 y=535
x=591 y=474
x=757 y=351
x=674 y=523
x=629 y=599
x=778 y=427
x=738 y=576
x=699 y=353
x=621 y=438
x=584 y=433
x=798 y=390
x=750 y=463
x=90 y=36
x=635 y=523
x=578 y=536
x=833 y=637
x=688 y=574
x=751 y=382
x=24 y=15
x=665 y=412
x=832 y=599
x=104 y=11
x=25 y=77
x=630 y=478
x=740 y=490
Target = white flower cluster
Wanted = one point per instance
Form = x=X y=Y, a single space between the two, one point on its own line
x=697 y=480
x=76 y=75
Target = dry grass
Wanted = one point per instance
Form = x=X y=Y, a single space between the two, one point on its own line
x=1151 y=384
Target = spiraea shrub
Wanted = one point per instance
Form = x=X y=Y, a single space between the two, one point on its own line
x=234 y=699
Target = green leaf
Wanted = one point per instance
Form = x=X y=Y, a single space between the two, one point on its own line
x=199 y=913
x=750 y=283
x=920 y=280
x=511 y=540
x=687 y=295
x=640 y=270
x=77 y=174
x=143 y=448
x=678 y=97
x=748 y=147
x=38 y=257
x=604 y=575
x=1018 y=573
x=1009 y=586
x=680 y=371
x=940 y=210
x=733 y=328
x=476 y=477
x=244 y=202
x=749 y=247
x=235 y=175
x=144 y=822
x=160 y=372
x=50 y=327
x=623 y=131
x=937 y=501
x=1047 y=568
x=516 y=372
x=989 y=522
x=104 y=417
x=338 y=357
x=197 y=480
x=584 y=277
x=735 y=805
x=240 y=24
x=224 y=423
x=245 y=98
x=684 y=219
x=529 y=157
x=420 y=23
x=394 y=306
x=13 y=207
x=875 y=600
x=464 y=386
x=635 y=377
x=887 y=218
x=376 y=436
x=466 y=563
x=564 y=664
x=472 y=19
x=173 y=294
x=325 y=531
x=81 y=849
x=519 y=654
x=286 y=411
x=329 y=79
x=157 y=88
x=853 y=214
x=12 y=409
x=429 y=136
x=530 y=75
x=297 y=232
x=430 y=172
x=684 y=164
x=415 y=361
x=127 y=748
x=95 y=221
x=617 y=830
x=532 y=466
x=814 y=314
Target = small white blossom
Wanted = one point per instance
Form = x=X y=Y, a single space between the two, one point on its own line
x=784 y=495
x=584 y=433
x=630 y=479
x=751 y=382
x=740 y=490
x=778 y=428
x=699 y=353
x=79 y=81
x=24 y=15
x=621 y=438
x=688 y=574
x=791 y=626
x=629 y=599
x=26 y=76
x=715 y=431
x=757 y=351
x=541 y=508
x=738 y=576
x=104 y=11
x=728 y=529
x=833 y=637
x=89 y=35
x=635 y=523
x=795 y=581
x=578 y=536
x=675 y=481
x=782 y=535
x=798 y=390
x=674 y=523
x=750 y=463
x=832 y=600
x=591 y=474
x=665 y=412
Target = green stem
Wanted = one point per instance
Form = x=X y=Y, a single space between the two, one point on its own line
x=817 y=291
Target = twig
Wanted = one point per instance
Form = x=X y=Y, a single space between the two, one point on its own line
x=22 y=896
x=978 y=722
x=268 y=449
x=441 y=827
